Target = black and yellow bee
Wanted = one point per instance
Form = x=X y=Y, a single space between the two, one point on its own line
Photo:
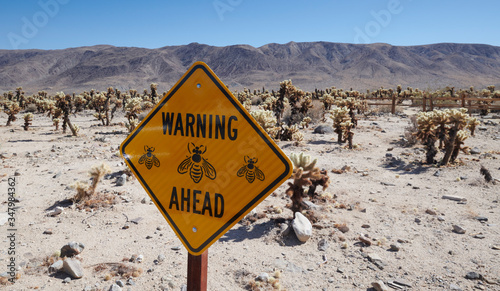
x=149 y=158
x=250 y=171
x=197 y=165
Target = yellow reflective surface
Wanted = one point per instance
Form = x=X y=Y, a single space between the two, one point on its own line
x=202 y=159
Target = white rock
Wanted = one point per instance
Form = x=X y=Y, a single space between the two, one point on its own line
x=302 y=227
x=73 y=268
x=56 y=211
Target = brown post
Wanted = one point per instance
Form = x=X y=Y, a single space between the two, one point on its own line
x=430 y=102
x=393 y=108
x=197 y=272
x=424 y=101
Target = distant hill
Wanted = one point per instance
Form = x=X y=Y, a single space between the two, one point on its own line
x=310 y=65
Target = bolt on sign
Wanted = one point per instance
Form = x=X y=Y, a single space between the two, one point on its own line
x=202 y=158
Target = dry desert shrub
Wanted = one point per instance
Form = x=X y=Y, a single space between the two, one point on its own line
x=411 y=131
x=86 y=196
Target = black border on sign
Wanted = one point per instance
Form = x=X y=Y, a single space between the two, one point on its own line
x=271 y=145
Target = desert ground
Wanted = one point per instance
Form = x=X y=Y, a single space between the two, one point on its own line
x=382 y=192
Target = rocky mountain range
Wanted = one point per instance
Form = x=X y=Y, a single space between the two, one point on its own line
x=309 y=65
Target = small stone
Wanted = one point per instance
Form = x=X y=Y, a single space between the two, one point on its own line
x=120 y=283
x=340 y=270
x=375 y=259
x=136 y=220
x=115 y=287
x=365 y=226
x=71 y=249
x=139 y=258
x=130 y=282
x=455 y=287
x=380 y=286
x=475 y=151
x=437 y=173
x=440 y=218
x=331 y=280
x=481 y=218
x=322 y=129
x=73 y=268
x=126 y=226
x=403 y=283
x=479 y=236
x=365 y=240
x=323 y=245
x=263 y=277
x=458 y=229
x=48 y=231
x=56 y=175
x=56 y=267
x=395 y=247
x=496 y=247
x=310 y=205
x=176 y=248
x=302 y=227
x=417 y=220
x=343 y=228
x=120 y=181
x=161 y=258
x=473 y=276
x=56 y=211
x=431 y=212
x=67 y=280
x=17 y=173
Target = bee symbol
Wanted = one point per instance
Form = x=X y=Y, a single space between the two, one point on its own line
x=197 y=165
x=149 y=158
x=250 y=171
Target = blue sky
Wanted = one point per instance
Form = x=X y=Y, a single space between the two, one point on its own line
x=59 y=24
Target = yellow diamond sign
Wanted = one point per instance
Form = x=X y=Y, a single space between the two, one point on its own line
x=202 y=158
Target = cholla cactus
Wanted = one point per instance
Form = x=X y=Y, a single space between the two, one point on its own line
x=426 y=134
x=472 y=124
x=63 y=103
x=352 y=104
x=340 y=117
x=305 y=173
x=131 y=124
x=267 y=121
x=290 y=133
x=28 y=118
x=55 y=122
x=458 y=121
x=133 y=107
x=328 y=100
x=448 y=125
x=305 y=122
x=11 y=108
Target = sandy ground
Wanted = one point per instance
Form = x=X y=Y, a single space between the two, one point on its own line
x=388 y=199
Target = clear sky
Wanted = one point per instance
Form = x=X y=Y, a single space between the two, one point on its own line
x=58 y=24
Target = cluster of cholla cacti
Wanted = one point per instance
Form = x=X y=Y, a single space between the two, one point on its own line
x=284 y=113
x=450 y=127
x=305 y=174
x=63 y=108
